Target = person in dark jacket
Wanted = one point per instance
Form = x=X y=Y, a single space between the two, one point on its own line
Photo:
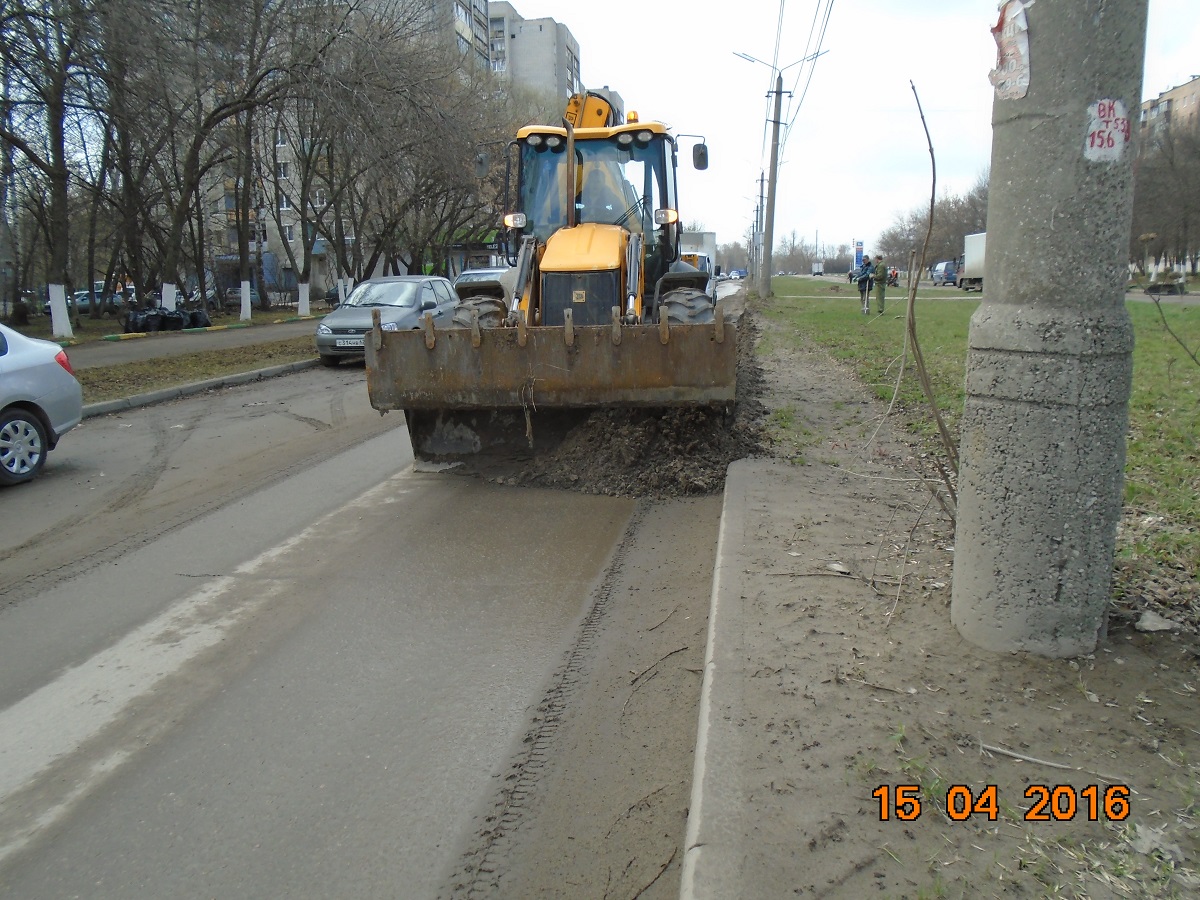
x=865 y=282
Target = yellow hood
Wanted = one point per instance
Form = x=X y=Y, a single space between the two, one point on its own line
x=590 y=247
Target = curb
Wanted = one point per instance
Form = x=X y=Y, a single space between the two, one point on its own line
x=105 y=407
x=141 y=334
x=712 y=861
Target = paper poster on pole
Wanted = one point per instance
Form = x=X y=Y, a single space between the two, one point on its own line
x=1011 y=75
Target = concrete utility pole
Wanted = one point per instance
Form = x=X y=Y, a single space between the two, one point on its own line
x=764 y=275
x=1049 y=367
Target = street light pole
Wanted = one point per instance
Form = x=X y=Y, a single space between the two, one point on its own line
x=764 y=277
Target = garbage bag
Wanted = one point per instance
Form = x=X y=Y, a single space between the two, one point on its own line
x=172 y=320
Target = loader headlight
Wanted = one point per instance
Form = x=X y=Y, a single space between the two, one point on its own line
x=624 y=138
x=666 y=216
x=553 y=141
x=644 y=137
x=534 y=140
x=515 y=220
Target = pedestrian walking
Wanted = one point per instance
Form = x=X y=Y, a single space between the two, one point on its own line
x=865 y=271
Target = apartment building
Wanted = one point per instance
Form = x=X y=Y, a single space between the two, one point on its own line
x=1177 y=107
x=540 y=55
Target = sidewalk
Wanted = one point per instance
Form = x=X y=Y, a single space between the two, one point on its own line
x=833 y=677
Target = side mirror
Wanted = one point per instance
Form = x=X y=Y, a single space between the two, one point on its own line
x=700 y=156
x=483 y=162
x=428 y=304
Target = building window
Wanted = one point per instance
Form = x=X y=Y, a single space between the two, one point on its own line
x=289 y=233
x=284 y=202
x=319 y=200
x=280 y=138
x=281 y=171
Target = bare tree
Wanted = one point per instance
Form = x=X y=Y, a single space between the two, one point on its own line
x=45 y=48
x=954 y=217
x=1166 y=200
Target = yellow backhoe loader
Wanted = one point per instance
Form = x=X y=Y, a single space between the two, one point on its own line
x=604 y=314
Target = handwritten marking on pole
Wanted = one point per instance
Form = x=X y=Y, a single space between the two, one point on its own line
x=1011 y=75
x=1108 y=131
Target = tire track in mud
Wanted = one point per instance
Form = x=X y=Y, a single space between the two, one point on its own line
x=62 y=534
x=480 y=865
x=134 y=490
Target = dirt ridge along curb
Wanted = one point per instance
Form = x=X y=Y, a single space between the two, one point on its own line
x=104 y=407
x=479 y=865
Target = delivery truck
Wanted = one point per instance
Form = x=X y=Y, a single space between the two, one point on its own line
x=699 y=249
x=970 y=273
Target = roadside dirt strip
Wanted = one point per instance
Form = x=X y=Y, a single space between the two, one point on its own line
x=594 y=802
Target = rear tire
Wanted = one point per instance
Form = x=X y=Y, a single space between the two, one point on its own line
x=492 y=312
x=687 y=306
x=22 y=446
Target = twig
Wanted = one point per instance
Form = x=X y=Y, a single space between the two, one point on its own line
x=671 y=613
x=635 y=806
x=809 y=575
x=1178 y=340
x=881 y=687
x=1054 y=765
x=644 y=671
x=661 y=869
x=621 y=717
x=903 y=560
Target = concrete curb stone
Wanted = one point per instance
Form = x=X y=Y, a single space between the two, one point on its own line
x=105 y=407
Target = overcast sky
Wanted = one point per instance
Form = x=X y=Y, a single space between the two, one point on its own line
x=855 y=156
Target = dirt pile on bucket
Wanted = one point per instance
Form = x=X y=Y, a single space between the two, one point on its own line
x=657 y=452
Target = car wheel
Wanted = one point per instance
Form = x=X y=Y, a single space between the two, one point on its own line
x=22 y=446
x=329 y=361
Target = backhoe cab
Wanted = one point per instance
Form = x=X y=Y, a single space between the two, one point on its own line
x=603 y=314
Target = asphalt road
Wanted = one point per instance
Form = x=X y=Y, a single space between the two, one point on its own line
x=245 y=650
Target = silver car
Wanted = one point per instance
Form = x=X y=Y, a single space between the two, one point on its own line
x=40 y=401
x=402 y=301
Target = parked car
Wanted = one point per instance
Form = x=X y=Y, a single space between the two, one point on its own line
x=402 y=301
x=40 y=401
x=946 y=273
x=233 y=298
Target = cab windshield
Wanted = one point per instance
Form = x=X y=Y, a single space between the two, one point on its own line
x=615 y=184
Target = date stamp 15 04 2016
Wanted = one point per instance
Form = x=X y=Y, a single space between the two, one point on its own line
x=1057 y=803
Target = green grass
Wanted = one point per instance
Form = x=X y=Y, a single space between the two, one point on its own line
x=127 y=379
x=1163 y=463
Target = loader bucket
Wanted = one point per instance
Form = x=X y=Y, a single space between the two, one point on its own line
x=466 y=389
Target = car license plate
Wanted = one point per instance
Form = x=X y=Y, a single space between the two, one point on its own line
x=349 y=342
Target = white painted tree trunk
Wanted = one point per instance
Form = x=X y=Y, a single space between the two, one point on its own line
x=245 y=317
x=302 y=307
x=60 y=317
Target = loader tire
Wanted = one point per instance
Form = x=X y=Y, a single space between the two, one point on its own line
x=492 y=312
x=687 y=306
